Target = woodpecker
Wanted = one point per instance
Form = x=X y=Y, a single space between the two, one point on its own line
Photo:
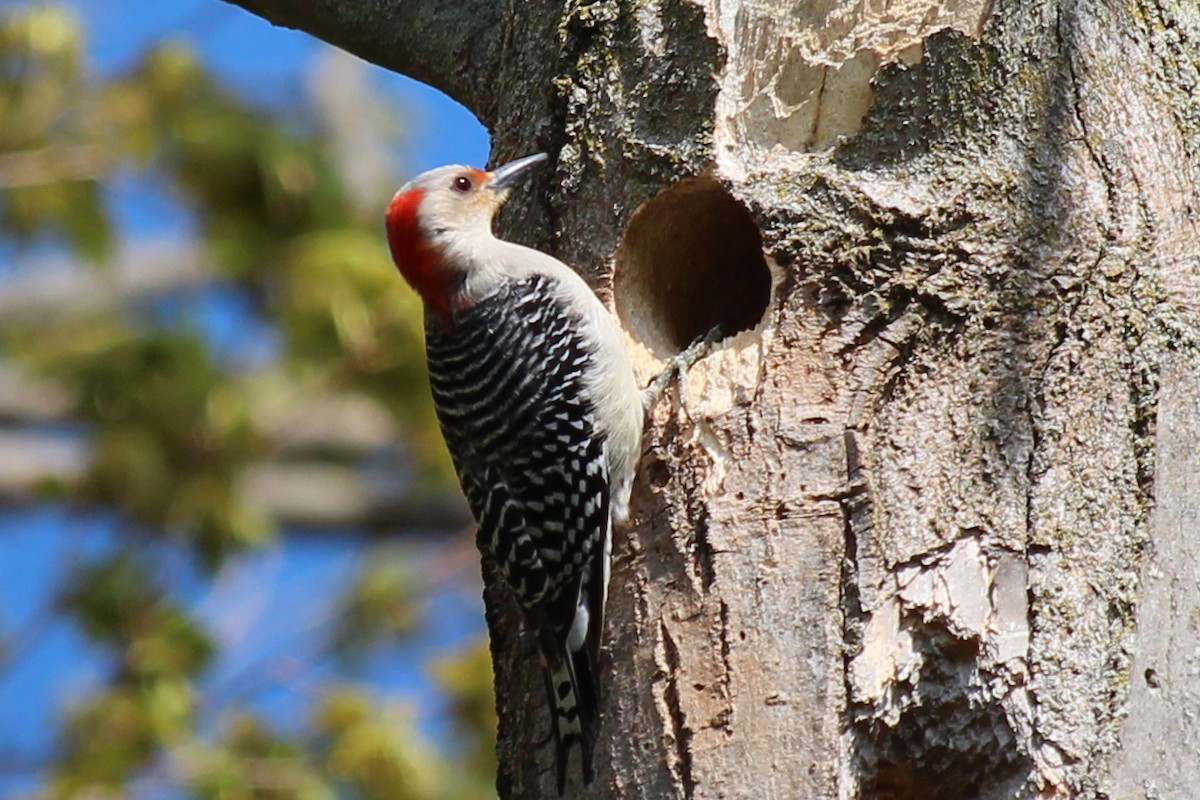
x=541 y=412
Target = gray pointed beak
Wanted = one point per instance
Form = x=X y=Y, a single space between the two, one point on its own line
x=505 y=176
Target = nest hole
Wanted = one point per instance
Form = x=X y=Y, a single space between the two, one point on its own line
x=690 y=260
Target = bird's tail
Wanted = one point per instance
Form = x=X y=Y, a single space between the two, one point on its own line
x=573 y=692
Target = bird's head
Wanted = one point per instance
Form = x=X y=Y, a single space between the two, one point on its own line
x=436 y=219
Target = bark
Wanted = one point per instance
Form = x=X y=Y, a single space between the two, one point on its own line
x=924 y=527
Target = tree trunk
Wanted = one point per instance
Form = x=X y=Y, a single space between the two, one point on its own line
x=925 y=526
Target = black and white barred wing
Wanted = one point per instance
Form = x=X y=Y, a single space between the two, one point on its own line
x=508 y=383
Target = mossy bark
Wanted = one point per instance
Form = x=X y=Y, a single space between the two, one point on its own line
x=926 y=529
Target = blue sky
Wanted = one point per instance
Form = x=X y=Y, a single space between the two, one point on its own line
x=267 y=65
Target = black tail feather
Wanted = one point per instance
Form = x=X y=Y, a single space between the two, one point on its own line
x=587 y=692
x=573 y=693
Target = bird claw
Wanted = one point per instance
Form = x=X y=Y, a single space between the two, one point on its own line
x=677 y=369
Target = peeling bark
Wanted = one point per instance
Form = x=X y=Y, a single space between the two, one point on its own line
x=924 y=528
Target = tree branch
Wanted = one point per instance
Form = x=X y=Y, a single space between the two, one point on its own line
x=306 y=493
x=453 y=46
x=58 y=288
x=52 y=164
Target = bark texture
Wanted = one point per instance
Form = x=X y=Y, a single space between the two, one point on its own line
x=925 y=525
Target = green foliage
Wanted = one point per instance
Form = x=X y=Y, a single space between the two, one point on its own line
x=173 y=427
x=255 y=184
x=253 y=763
x=117 y=604
x=348 y=322
x=375 y=754
x=173 y=431
x=176 y=428
x=41 y=90
x=466 y=678
x=150 y=703
x=383 y=605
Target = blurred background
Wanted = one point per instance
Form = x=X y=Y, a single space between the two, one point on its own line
x=233 y=560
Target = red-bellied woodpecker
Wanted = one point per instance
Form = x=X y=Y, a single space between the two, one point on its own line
x=540 y=409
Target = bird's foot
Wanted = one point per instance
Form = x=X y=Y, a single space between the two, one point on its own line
x=677 y=369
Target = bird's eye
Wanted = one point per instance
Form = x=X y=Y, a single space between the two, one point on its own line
x=461 y=184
